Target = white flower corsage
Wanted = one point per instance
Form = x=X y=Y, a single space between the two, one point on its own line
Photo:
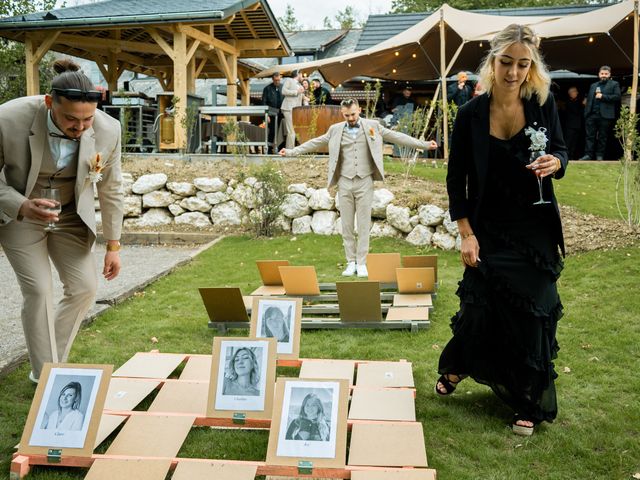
x=538 y=138
x=372 y=133
x=95 y=172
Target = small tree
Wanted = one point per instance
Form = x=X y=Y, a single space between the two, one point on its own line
x=289 y=22
x=270 y=190
x=628 y=184
x=372 y=95
x=347 y=18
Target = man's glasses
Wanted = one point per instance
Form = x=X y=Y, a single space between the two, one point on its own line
x=75 y=94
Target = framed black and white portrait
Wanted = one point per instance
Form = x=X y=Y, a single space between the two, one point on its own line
x=279 y=319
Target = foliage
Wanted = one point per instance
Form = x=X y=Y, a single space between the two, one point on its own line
x=372 y=95
x=628 y=185
x=346 y=19
x=414 y=126
x=289 y=22
x=408 y=6
x=270 y=191
x=236 y=139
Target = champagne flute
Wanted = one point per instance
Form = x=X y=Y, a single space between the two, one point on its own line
x=534 y=155
x=53 y=195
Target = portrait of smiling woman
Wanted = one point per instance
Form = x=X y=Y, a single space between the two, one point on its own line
x=67 y=416
x=242 y=374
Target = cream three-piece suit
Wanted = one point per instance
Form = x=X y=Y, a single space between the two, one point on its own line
x=355 y=161
x=27 y=166
x=292 y=98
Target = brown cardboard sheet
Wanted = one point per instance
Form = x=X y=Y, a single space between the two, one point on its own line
x=328 y=369
x=412 y=300
x=395 y=474
x=152 y=436
x=407 y=313
x=267 y=291
x=127 y=393
x=387 y=444
x=385 y=374
x=421 y=261
x=292 y=346
x=269 y=272
x=382 y=266
x=181 y=397
x=224 y=304
x=300 y=280
x=382 y=404
x=150 y=365
x=359 y=301
x=140 y=469
x=198 y=367
x=213 y=471
x=416 y=280
x=108 y=424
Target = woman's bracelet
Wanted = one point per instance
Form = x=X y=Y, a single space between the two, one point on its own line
x=467 y=235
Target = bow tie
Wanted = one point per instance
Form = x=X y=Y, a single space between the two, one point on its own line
x=64 y=137
x=357 y=125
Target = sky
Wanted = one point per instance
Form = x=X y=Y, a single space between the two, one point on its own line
x=311 y=13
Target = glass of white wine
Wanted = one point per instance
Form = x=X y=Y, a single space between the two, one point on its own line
x=53 y=195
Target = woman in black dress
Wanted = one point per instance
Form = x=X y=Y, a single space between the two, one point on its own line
x=504 y=332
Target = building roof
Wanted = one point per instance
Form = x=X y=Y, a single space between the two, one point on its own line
x=314 y=40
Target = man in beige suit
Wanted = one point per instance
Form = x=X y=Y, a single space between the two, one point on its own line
x=293 y=92
x=58 y=141
x=355 y=161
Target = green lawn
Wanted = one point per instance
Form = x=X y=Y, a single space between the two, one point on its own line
x=596 y=435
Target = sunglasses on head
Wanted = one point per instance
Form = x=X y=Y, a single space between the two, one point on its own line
x=76 y=94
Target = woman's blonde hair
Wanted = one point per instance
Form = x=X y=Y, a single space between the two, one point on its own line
x=538 y=79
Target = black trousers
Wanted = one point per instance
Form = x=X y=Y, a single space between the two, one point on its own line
x=271 y=132
x=572 y=138
x=597 y=130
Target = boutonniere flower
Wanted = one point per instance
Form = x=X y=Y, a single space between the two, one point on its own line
x=96 y=167
x=538 y=138
x=372 y=133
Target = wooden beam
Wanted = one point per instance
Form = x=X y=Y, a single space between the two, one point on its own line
x=200 y=66
x=252 y=8
x=248 y=23
x=225 y=67
x=31 y=64
x=208 y=39
x=192 y=49
x=109 y=43
x=230 y=32
x=100 y=62
x=258 y=44
x=159 y=39
x=45 y=45
x=115 y=69
x=180 y=87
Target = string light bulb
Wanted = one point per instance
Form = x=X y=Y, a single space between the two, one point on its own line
x=414 y=55
x=480 y=44
x=349 y=65
x=394 y=70
x=397 y=54
x=590 y=39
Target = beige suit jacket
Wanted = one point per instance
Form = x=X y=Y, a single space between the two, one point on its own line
x=292 y=97
x=23 y=139
x=376 y=136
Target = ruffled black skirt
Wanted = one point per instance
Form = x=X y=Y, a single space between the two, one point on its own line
x=504 y=334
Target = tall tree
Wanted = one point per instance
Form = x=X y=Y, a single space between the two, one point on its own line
x=347 y=18
x=289 y=22
x=13 y=81
x=407 y=6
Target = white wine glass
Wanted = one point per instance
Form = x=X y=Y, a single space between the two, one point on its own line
x=532 y=158
x=53 y=195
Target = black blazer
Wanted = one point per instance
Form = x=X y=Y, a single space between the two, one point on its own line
x=469 y=157
x=610 y=98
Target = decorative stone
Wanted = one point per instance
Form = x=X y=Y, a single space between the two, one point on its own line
x=321 y=199
x=283 y=223
x=295 y=205
x=420 y=236
x=176 y=209
x=450 y=225
x=399 y=218
x=127 y=183
x=337 y=227
x=154 y=217
x=195 y=219
x=322 y=222
x=415 y=220
x=183 y=189
x=201 y=195
x=443 y=241
x=216 y=198
x=157 y=198
x=194 y=204
x=458 y=243
x=309 y=191
x=381 y=198
x=149 y=183
x=300 y=188
x=245 y=196
x=250 y=181
x=383 y=229
x=233 y=182
x=132 y=205
x=430 y=215
x=207 y=184
x=301 y=225
x=227 y=213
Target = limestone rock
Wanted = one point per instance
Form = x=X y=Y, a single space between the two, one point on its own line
x=183 y=189
x=337 y=227
x=323 y=221
x=383 y=229
x=430 y=215
x=301 y=225
x=381 y=198
x=194 y=204
x=127 y=183
x=321 y=199
x=420 y=236
x=283 y=223
x=295 y=205
x=300 y=188
x=215 y=198
x=157 y=198
x=154 y=217
x=414 y=220
x=245 y=196
x=149 y=183
x=399 y=218
x=132 y=205
x=450 y=225
x=207 y=184
x=176 y=209
x=227 y=213
x=251 y=181
x=195 y=219
x=443 y=241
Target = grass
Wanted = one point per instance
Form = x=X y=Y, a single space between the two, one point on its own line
x=596 y=435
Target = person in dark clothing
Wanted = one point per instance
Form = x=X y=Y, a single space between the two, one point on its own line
x=461 y=91
x=403 y=99
x=600 y=113
x=272 y=96
x=320 y=95
x=573 y=122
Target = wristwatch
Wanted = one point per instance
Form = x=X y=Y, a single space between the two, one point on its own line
x=113 y=247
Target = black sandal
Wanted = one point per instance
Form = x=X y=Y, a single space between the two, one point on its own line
x=448 y=385
x=524 y=430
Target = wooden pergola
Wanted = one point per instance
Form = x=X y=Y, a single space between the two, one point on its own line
x=175 y=41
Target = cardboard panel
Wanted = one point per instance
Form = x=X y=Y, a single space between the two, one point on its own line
x=385 y=374
x=387 y=445
x=108 y=424
x=224 y=304
x=279 y=318
x=395 y=474
x=110 y=469
x=359 y=301
x=412 y=300
x=269 y=271
x=127 y=393
x=150 y=365
x=300 y=280
x=213 y=471
x=407 y=313
x=411 y=261
x=181 y=397
x=267 y=291
x=328 y=369
x=198 y=367
x=416 y=280
x=382 y=266
x=382 y=404
x=152 y=436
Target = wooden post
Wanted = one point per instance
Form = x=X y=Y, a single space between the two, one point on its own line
x=191 y=75
x=232 y=87
x=443 y=83
x=245 y=98
x=32 y=64
x=114 y=71
x=634 y=81
x=180 y=87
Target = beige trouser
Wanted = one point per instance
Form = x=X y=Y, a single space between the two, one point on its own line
x=288 y=129
x=356 y=198
x=28 y=247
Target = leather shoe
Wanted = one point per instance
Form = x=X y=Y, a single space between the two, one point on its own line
x=586 y=157
x=33 y=378
x=350 y=270
x=362 y=271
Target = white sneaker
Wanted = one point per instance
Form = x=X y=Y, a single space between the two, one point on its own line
x=362 y=271
x=350 y=270
x=33 y=378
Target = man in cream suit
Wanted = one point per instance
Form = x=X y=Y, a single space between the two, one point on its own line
x=54 y=141
x=355 y=161
x=293 y=92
